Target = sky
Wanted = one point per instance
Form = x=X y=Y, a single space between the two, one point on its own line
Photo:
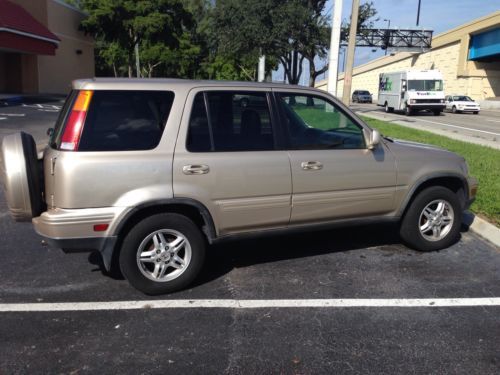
x=437 y=15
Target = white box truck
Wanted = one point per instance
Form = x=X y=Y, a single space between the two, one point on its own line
x=411 y=91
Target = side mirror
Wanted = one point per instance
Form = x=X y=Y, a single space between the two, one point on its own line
x=50 y=132
x=374 y=139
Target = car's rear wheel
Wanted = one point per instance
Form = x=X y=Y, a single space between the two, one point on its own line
x=432 y=222
x=22 y=176
x=162 y=254
x=387 y=108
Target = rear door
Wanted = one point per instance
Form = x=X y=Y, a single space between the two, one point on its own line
x=228 y=158
x=334 y=174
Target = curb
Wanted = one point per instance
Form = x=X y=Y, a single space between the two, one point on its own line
x=481 y=227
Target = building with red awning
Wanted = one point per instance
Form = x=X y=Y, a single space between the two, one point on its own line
x=41 y=48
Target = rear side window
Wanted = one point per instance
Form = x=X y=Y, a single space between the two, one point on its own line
x=125 y=120
x=224 y=121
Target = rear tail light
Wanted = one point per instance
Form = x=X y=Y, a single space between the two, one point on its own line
x=74 y=125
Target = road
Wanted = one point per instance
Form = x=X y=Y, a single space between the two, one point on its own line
x=482 y=129
x=395 y=324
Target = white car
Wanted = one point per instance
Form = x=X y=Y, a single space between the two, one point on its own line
x=461 y=103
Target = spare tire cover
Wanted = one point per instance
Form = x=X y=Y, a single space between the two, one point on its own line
x=21 y=176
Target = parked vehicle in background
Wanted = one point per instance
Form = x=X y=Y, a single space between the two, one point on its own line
x=461 y=103
x=361 y=96
x=148 y=171
x=411 y=91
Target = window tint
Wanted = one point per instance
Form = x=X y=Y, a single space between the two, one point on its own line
x=315 y=124
x=125 y=120
x=239 y=121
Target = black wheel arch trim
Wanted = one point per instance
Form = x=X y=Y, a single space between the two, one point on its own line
x=424 y=179
x=210 y=231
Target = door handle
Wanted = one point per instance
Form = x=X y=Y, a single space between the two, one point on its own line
x=311 y=165
x=195 y=169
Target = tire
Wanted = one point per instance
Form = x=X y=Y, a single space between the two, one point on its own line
x=437 y=113
x=387 y=108
x=417 y=226
x=454 y=109
x=476 y=112
x=22 y=175
x=145 y=238
x=34 y=174
x=408 y=111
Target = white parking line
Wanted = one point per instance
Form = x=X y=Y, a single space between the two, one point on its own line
x=246 y=304
x=458 y=127
x=492 y=120
x=3 y=118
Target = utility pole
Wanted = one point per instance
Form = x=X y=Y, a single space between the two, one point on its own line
x=418 y=12
x=333 y=64
x=346 y=95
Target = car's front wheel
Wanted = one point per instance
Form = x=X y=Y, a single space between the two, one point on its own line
x=162 y=254
x=432 y=222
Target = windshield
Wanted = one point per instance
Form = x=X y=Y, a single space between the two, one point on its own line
x=462 y=99
x=363 y=93
x=425 y=85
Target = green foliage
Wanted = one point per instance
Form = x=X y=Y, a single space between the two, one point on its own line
x=366 y=20
x=157 y=26
x=287 y=31
x=484 y=163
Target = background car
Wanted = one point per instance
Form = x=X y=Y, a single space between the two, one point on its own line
x=361 y=96
x=461 y=103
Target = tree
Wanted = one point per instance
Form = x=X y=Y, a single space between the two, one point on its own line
x=289 y=31
x=121 y=25
x=366 y=14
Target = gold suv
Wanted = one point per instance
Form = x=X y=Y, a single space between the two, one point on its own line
x=150 y=171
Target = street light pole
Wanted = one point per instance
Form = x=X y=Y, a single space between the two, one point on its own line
x=388 y=26
x=346 y=95
x=418 y=12
x=333 y=63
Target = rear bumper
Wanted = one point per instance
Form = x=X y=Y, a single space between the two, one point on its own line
x=77 y=223
x=73 y=229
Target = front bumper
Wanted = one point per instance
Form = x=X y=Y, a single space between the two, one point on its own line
x=473 y=185
x=468 y=109
x=427 y=106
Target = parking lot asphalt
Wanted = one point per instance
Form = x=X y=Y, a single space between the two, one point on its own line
x=363 y=263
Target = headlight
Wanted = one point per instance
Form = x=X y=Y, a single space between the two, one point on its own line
x=412 y=101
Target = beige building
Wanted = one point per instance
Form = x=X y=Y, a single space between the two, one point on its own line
x=41 y=49
x=450 y=53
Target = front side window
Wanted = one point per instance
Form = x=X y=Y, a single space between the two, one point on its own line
x=316 y=124
x=224 y=121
